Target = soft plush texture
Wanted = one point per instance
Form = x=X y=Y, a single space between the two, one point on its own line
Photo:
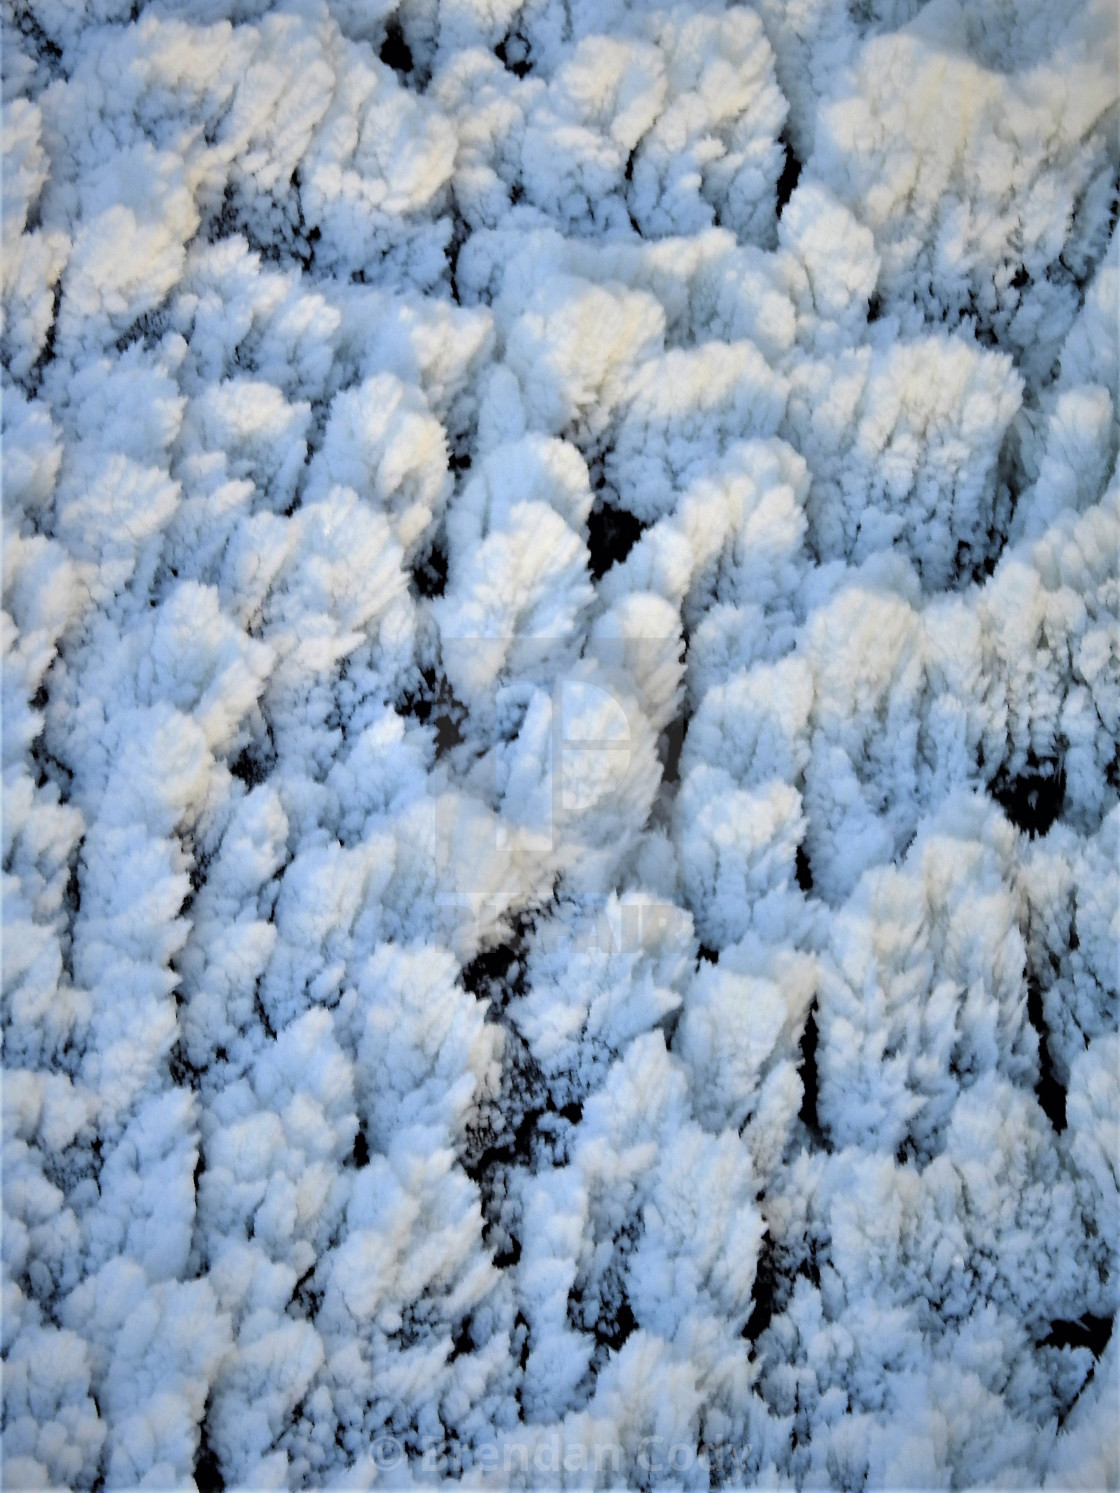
x=561 y=690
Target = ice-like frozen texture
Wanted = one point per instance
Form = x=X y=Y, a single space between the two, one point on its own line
x=560 y=696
